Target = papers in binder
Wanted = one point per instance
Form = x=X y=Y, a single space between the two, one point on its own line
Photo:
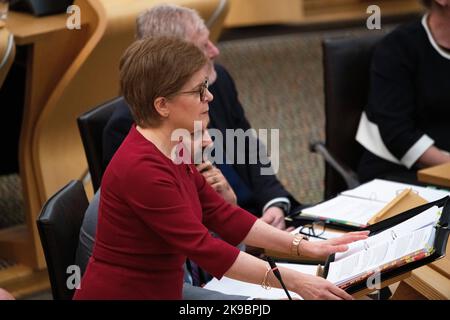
x=372 y=202
x=408 y=241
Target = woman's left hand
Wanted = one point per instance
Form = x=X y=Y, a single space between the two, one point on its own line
x=322 y=249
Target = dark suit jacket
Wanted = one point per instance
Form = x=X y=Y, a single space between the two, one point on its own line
x=225 y=112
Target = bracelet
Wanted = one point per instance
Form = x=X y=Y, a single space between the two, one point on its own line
x=265 y=283
x=295 y=244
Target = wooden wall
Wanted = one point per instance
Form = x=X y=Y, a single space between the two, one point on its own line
x=260 y=12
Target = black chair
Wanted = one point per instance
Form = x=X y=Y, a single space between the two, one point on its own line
x=91 y=125
x=346 y=65
x=59 y=226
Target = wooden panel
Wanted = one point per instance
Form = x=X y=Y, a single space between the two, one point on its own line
x=384 y=284
x=405 y=292
x=443 y=265
x=13 y=272
x=28 y=29
x=254 y=12
x=22 y=281
x=48 y=59
x=437 y=175
x=16 y=244
x=328 y=4
x=357 y=10
x=430 y=283
x=257 y=12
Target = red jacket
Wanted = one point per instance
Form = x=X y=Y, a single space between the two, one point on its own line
x=153 y=214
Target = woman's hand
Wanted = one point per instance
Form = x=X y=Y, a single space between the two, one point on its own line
x=217 y=181
x=322 y=249
x=313 y=288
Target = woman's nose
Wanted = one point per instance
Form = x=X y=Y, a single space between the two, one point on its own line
x=209 y=96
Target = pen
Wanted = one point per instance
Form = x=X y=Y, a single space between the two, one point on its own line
x=277 y=274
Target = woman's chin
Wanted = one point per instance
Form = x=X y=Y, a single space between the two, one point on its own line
x=204 y=117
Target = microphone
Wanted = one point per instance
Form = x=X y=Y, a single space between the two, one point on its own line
x=277 y=274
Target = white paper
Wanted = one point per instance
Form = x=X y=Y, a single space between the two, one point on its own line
x=371 y=258
x=231 y=286
x=385 y=191
x=426 y=218
x=346 y=209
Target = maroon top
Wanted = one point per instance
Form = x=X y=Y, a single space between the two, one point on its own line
x=152 y=215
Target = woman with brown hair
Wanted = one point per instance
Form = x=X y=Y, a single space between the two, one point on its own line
x=155 y=211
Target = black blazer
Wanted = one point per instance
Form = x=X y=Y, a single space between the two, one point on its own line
x=225 y=112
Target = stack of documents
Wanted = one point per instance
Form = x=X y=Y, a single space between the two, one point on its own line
x=358 y=206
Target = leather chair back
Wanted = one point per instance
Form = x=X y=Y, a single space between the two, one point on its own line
x=91 y=125
x=346 y=65
x=59 y=225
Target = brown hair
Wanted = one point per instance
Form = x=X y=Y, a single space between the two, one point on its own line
x=156 y=67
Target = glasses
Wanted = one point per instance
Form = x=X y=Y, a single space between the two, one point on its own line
x=201 y=90
x=315 y=229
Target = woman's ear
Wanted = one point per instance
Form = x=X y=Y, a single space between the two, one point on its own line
x=161 y=107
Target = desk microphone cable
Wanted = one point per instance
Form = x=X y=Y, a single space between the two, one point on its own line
x=277 y=274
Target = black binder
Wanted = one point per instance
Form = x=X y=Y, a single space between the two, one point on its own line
x=440 y=242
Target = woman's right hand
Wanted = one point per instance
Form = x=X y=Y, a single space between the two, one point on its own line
x=316 y=288
x=217 y=181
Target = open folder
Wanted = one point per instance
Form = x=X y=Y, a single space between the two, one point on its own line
x=370 y=203
x=395 y=246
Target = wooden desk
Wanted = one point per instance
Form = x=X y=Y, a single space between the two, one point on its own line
x=437 y=175
x=28 y=29
x=433 y=281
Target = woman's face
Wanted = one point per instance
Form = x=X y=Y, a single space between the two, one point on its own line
x=191 y=103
